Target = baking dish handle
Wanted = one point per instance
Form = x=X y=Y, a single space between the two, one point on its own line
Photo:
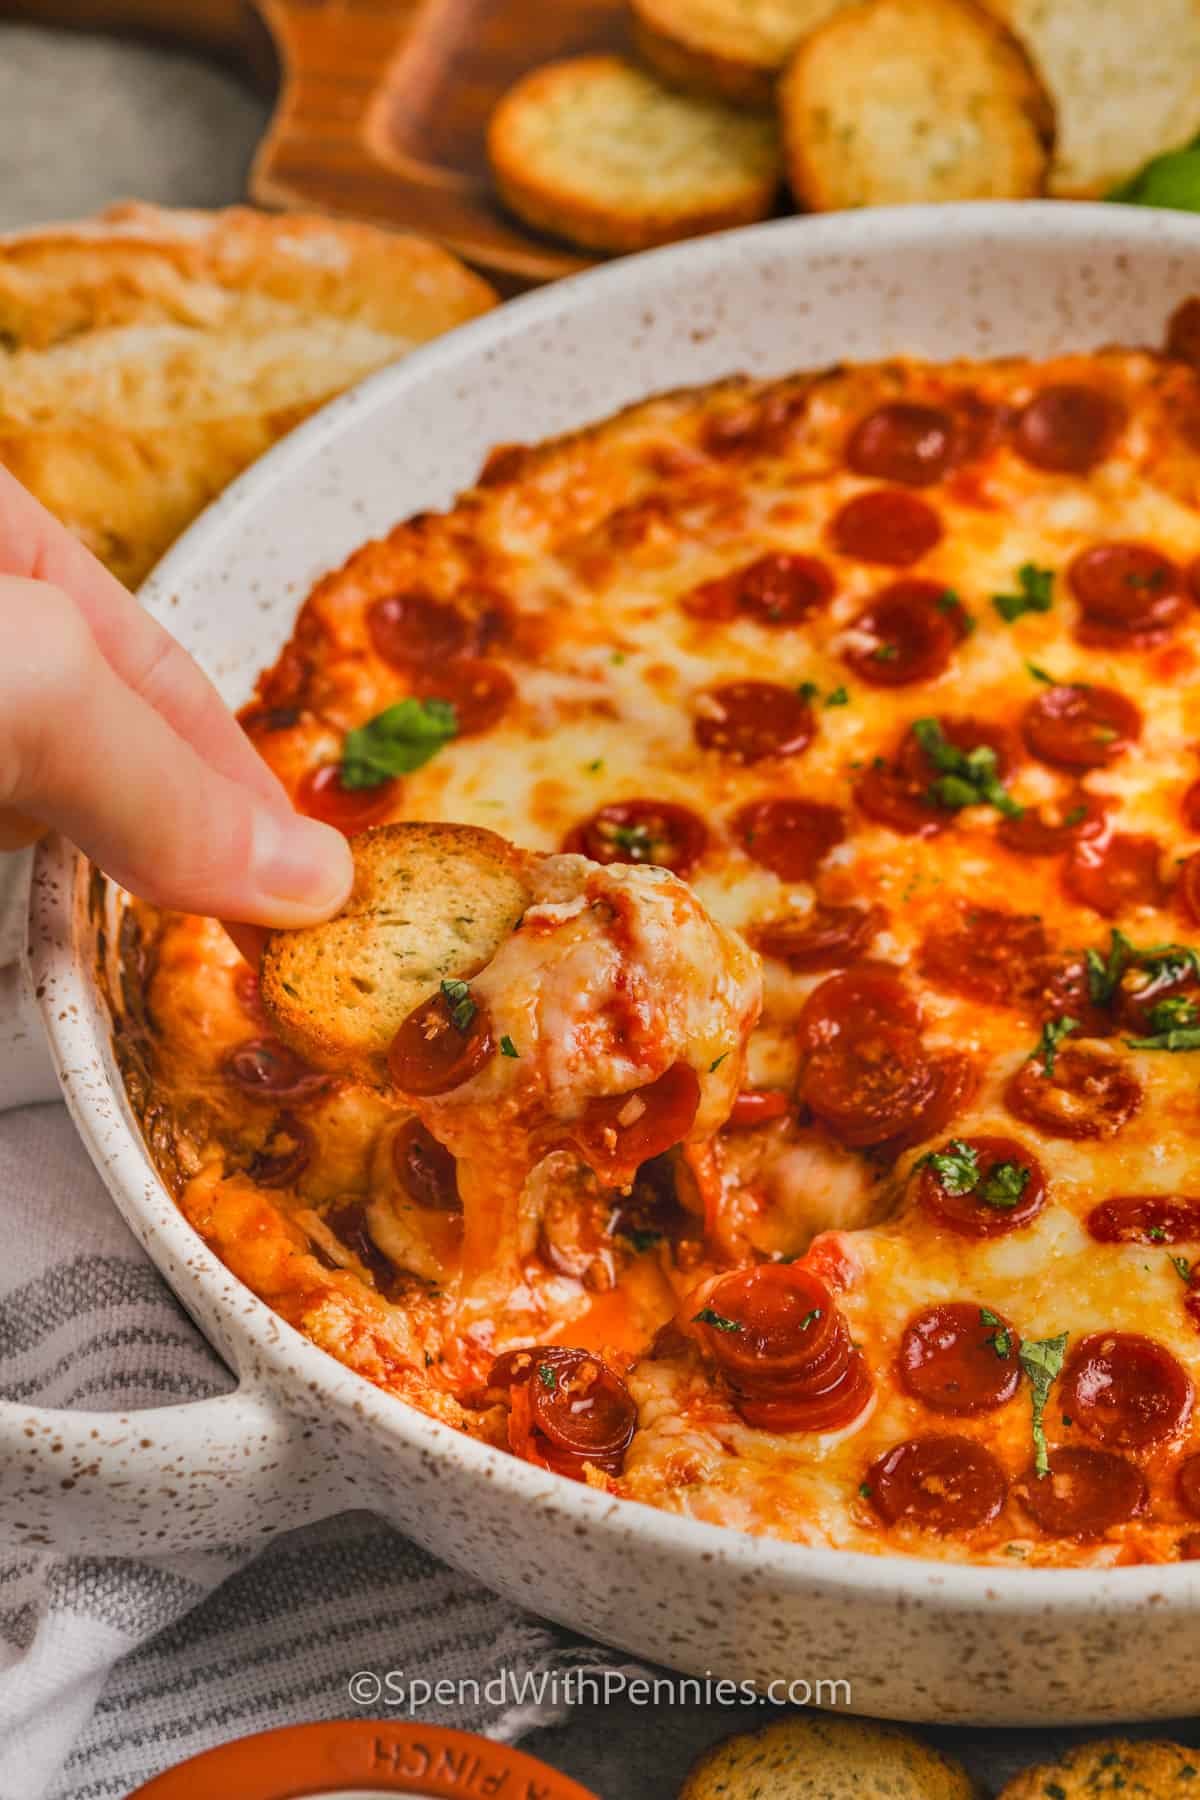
x=26 y=1069
x=232 y=1469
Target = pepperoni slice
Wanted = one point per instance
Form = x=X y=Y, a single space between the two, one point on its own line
x=869 y=1088
x=1187 y=1484
x=1049 y=830
x=890 y=798
x=1085 y=1494
x=956 y=1360
x=286 y=1152
x=943 y=1484
x=789 y=837
x=886 y=525
x=1067 y=428
x=415 y=631
x=585 y=1410
x=430 y=1054
x=480 y=692
x=1080 y=727
x=910 y=637
x=780 y=589
x=758 y=1106
x=1064 y=992
x=1189 y=887
x=1125 y=1390
x=619 y=1132
x=1130 y=595
x=1141 y=990
x=1145 y=1219
x=425 y=1169
x=828 y=937
x=348 y=1224
x=990 y=954
x=832 y=1407
x=322 y=796
x=1115 y=873
x=856 y=1002
x=986 y=1209
x=1088 y=1095
x=748 y=721
x=642 y=831
x=915 y=445
x=954 y=1081
x=265 y=1069
x=779 y=1339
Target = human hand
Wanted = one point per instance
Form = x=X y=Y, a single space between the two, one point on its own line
x=111 y=734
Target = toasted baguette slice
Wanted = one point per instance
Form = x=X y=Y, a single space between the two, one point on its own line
x=894 y=101
x=596 y=151
x=820 y=1758
x=729 y=49
x=1124 y=77
x=1111 y=1766
x=431 y=903
x=147 y=356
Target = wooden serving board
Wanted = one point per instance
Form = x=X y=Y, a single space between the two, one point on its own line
x=382 y=105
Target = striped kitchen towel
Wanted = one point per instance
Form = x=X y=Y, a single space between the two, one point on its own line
x=113 y=1669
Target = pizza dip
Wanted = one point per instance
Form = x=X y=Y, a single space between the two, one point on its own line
x=820 y=1155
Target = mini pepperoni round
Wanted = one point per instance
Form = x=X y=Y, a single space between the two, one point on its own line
x=1189 y=887
x=1085 y=1494
x=619 y=1132
x=780 y=589
x=988 y=954
x=1064 y=991
x=1125 y=1390
x=966 y=735
x=828 y=937
x=912 y=444
x=789 y=836
x=831 y=1407
x=944 y=1484
x=415 y=631
x=642 y=831
x=911 y=639
x=1112 y=874
x=480 y=692
x=749 y=721
x=1130 y=595
x=1067 y=428
x=1048 y=831
x=887 y=526
x=1187 y=1484
x=1145 y=1219
x=265 y=1069
x=1087 y=1095
x=1140 y=991
x=286 y=1152
x=869 y=1088
x=323 y=796
x=770 y=1324
x=425 y=1169
x=959 y=1358
x=582 y=1407
x=954 y=1082
x=856 y=1002
x=431 y=1054
x=758 y=1106
x=1080 y=727
x=892 y=799
x=983 y=1187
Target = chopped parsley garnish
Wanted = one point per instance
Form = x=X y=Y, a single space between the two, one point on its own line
x=1005 y=1184
x=999 y=1336
x=838 y=697
x=949 y=602
x=864 y=1488
x=965 y=777
x=507 y=1047
x=639 y=840
x=1053 y=1033
x=1104 y=973
x=1076 y=816
x=641 y=1237
x=548 y=1376
x=810 y=1318
x=461 y=1007
x=1157 y=1234
x=956 y=1167
x=808 y=690
x=718 y=1321
x=396 y=741
x=716 y=1062
x=1174 y=1024
x=1040 y=674
x=1042 y=1361
x=1036 y=593
x=1170 y=961
x=885 y=653
x=1182 y=1267
x=595 y=766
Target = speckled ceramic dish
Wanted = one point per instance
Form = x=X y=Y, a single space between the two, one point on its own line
x=300 y=1435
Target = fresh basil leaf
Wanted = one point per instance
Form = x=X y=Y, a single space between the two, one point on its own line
x=956 y=1167
x=1042 y=1362
x=1036 y=593
x=1053 y=1033
x=396 y=741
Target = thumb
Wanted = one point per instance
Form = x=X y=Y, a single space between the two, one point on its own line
x=84 y=752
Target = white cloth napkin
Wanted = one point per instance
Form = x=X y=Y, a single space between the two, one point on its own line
x=114 y=1669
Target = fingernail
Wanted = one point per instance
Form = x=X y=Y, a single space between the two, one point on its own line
x=302 y=869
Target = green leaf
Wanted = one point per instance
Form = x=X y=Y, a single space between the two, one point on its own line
x=507 y=1047
x=718 y=1321
x=1005 y=1183
x=398 y=740
x=1053 y=1033
x=808 y=690
x=1040 y=674
x=1172 y=180
x=967 y=777
x=461 y=1007
x=1042 y=1362
x=1104 y=974
x=548 y=1376
x=1183 y=1038
x=1000 y=1337
x=716 y=1062
x=642 y=1238
x=838 y=697
x=956 y=1167
x=1182 y=1267
x=1036 y=593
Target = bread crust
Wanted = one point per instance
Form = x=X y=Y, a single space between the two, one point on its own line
x=899 y=101
x=559 y=145
x=1109 y=1766
x=715 y=49
x=822 y=1758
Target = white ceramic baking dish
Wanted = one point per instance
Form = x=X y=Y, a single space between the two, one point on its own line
x=300 y=1435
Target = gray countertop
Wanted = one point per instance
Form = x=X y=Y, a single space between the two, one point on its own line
x=156 y=125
